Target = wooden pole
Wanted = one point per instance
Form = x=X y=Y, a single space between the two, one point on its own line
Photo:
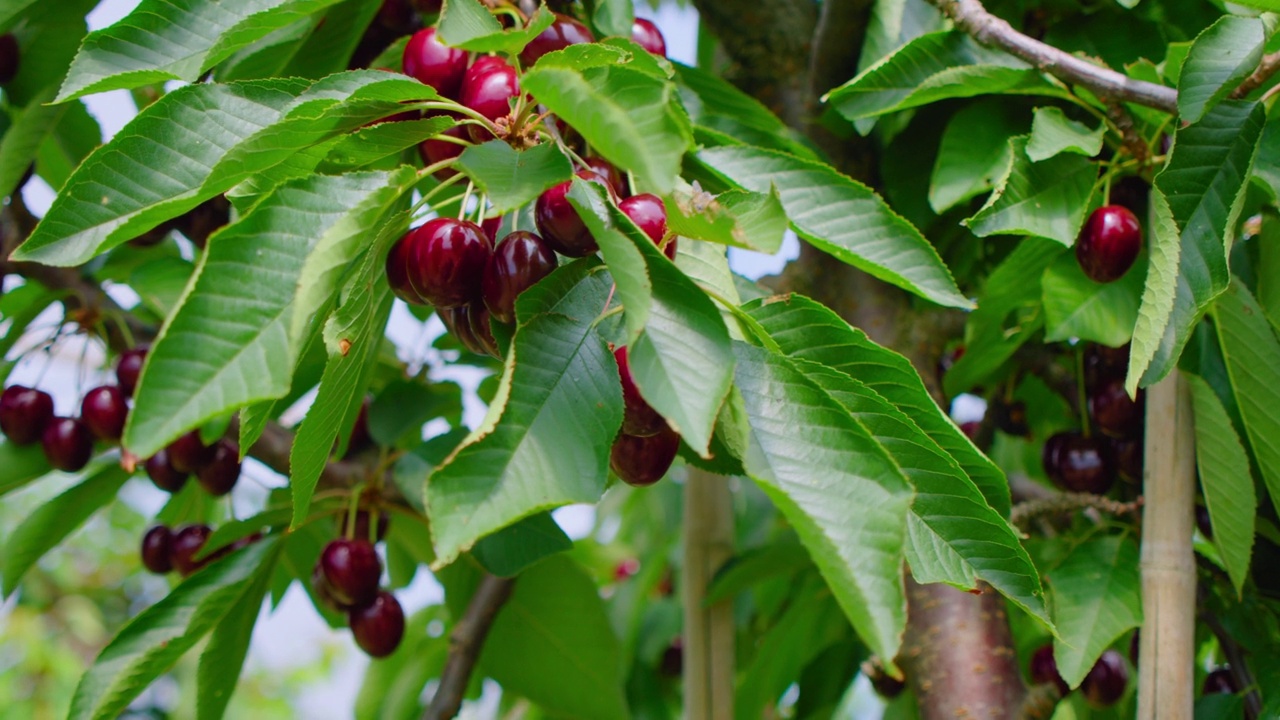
x=708 y=631
x=1167 y=652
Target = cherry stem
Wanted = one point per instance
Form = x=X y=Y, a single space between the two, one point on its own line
x=353 y=506
x=453 y=107
x=466 y=198
x=1081 y=394
x=430 y=194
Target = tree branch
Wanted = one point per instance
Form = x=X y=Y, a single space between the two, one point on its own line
x=465 y=644
x=1266 y=68
x=971 y=17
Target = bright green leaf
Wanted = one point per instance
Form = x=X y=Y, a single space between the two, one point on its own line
x=1047 y=199
x=1077 y=307
x=1223 y=55
x=751 y=220
x=220 y=663
x=468 y=25
x=19 y=465
x=511 y=178
x=716 y=104
x=1096 y=598
x=1052 y=133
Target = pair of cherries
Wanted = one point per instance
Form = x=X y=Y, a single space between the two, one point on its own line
x=347 y=577
x=165 y=549
x=216 y=466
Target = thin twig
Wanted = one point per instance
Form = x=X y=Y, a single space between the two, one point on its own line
x=465 y=645
x=1239 y=670
x=1024 y=512
x=1266 y=68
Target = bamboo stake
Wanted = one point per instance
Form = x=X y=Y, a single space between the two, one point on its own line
x=708 y=631
x=1167 y=653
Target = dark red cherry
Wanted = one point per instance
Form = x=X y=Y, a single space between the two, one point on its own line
x=188 y=453
x=1010 y=417
x=1114 y=413
x=361 y=531
x=518 y=263
x=488 y=88
x=25 y=413
x=9 y=58
x=970 y=429
x=1204 y=523
x=398 y=260
x=104 y=410
x=323 y=592
x=490 y=226
x=562 y=33
x=428 y=7
x=1078 y=463
x=671 y=664
x=128 y=367
x=645 y=34
x=606 y=170
x=1105 y=683
x=1108 y=243
x=163 y=474
x=360 y=439
x=447 y=259
x=188 y=541
x=1220 y=681
x=1103 y=364
x=68 y=444
x=638 y=417
x=433 y=63
x=156 y=549
x=397 y=15
x=352 y=570
x=642 y=461
x=650 y=215
x=478 y=316
x=222 y=472
x=378 y=627
x=1044 y=669
x=559 y=224
x=433 y=150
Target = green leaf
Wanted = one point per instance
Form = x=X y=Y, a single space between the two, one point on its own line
x=48 y=37
x=1077 y=307
x=613 y=17
x=22 y=141
x=1196 y=201
x=714 y=103
x=250 y=301
x=1253 y=364
x=1052 y=133
x=974 y=152
x=329 y=45
x=629 y=116
x=54 y=520
x=1047 y=199
x=835 y=485
x=809 y=330
x=401 y=408
x=1223 y=55
x=512 y=178
x=383 y=140
x=468 y=25
x=936 y=67
x=751 y=220
x=895 y=23
x=754 y=567
x=174 y=40
x=1226 y=481
x=160 y=283
x=154 y=640
x=537 y=449
x=514 y=548
x=1096 y=598
x=552 y=643
x=843 y=217
x=75 y=136
x=222 y=659
x=208 y=138
x=19 y=465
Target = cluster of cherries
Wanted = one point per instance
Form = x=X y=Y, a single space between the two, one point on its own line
x=1103 y=686
x=216 y=466
x=26 y=416
x=1108 y=243
x=165 y=549
x=347 y=576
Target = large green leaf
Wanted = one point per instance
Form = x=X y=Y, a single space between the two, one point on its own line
x=1223 y=55
x=836 y=486
x=537 y=449
x=20 y=464
x=511 y=178
x=974 y=152
x=714 y=103
x=1226 y=481
x=935 y=67
x=514 y=548
x=1253 y=364
x=1196 y=201
x=1077 y=307
x=222 y=659
x=895 y=23
x=1096 y=598
x=1047 y=199
x=54 y=520
x=237 y=335
x=198 y=142
x=22 y=141
x=154 y=640
x=843 y=217
x=75 y=136
x=468 y=25
x=175 y=40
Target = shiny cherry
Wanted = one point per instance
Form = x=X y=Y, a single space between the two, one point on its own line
x=128 y=367
x=68 y=444
x=1219 y=681
x=562 y=33
x=9 y=58
x=104 y=411
x=1114 y=412
x=1044 y=669
x=446 y=261
x=433 y=63
x=188 y=453
x=650 y=215
x=352 y=570
x=157 y=546
x=610 y=173
x=219 y=476
x=1102 y=364
x=1078 y=463
x=398 y=260
x=378 y=627
x=433 y=150
x=638 y=417
x=478 y=316
x=517 y=264
x=188 y=541
x=645 y=34
x=491 y=226
x=559 y=224
x=1106 y=681
x=163 y=474
x=642 y=461
x=1108 y=243
x=488 y=88
x=25 y=413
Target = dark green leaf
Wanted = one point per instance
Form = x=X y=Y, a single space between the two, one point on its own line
x=714 y=103
x=512 y=549
x=1222 y=56
x=1077 y=307
x=22 y=141
x=75 y=136
x=974 y=152
x=223 y=657
x=383 y=140
x=613 y=17
x=511 y=178
x=754 y=567
x=19 y=465
x=1047 y=199
x=1096 y=599
x=1226 y=481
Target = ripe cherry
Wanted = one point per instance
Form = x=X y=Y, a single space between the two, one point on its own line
x=1103 y=364
x=490 y=226
x=25 y=413
x=478 y=315
x=671 y=664
x=398 y=260
x=188 y=541
x=1204 y=523
x=1106 y=681
x=638 y=417
x=68 y=444
x=1114 y=412
x=221 y=473
x=642 y=461
x=104 y=410
x=611 y=174
x=157 y=546
x=1078 y=463
x=562 y=33
x=433 y=150
x=650 y=215
x=378 y=627
x=970 y=429
x=433 y=63
x=645 y=34
x=470 y=325
x=517 y=264
x=446 y=261
x=188 y=453
x=163 y=474
x=559 y=224
x=128 y=367
x=397 y=15
x=488 y=88
x=361 y=531
x=351 y=569
x=9 y=58
x=1044 y=669
x=1108 y=243
x=1220 y=681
